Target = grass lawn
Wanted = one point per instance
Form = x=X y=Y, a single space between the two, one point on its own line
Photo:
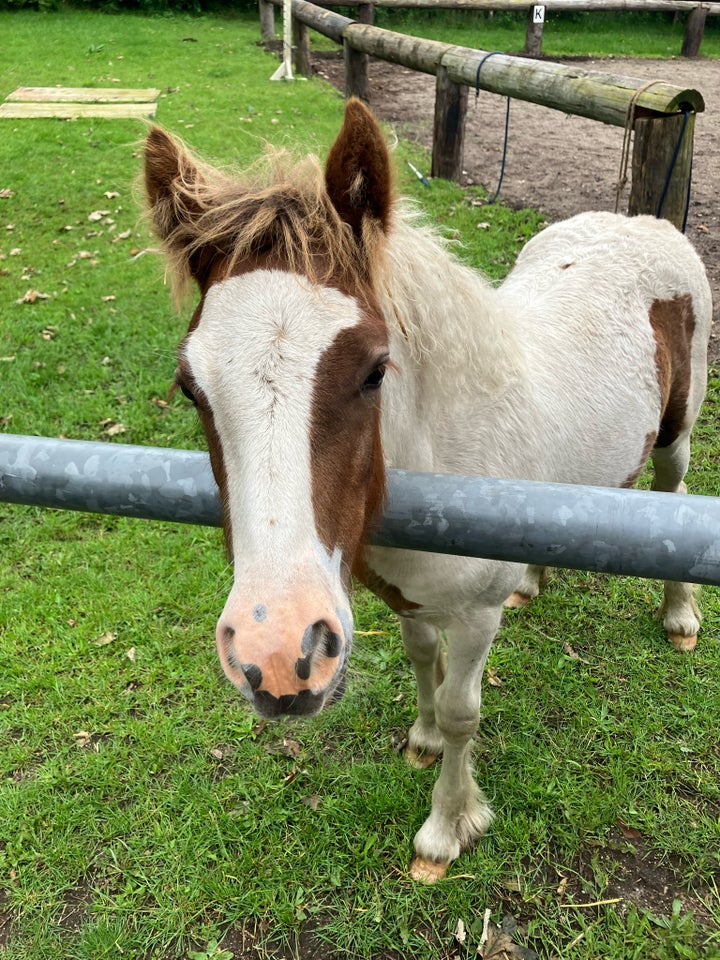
x=145 y=812
x=594 y=34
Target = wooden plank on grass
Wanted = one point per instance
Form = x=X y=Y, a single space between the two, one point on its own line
x=70 y=111
x=82 y=95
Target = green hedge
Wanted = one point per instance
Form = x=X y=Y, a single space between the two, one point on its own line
x=142 y=6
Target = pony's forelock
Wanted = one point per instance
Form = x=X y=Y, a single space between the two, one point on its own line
x=279 y=206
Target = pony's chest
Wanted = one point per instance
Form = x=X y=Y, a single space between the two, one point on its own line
x=436 y=587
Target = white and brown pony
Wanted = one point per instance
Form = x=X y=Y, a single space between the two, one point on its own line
x=334 y=337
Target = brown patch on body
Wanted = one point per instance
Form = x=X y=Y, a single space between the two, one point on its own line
x=646 y=451
x=673 y=325
x=388 y=592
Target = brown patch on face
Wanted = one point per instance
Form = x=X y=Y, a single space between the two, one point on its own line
x=184 y=375
x=673 y=324
x=348 y=471
x=647 y=449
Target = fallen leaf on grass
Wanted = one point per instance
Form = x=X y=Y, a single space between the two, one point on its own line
x=111 y=194
x=32 y=296
x=7 y=359
x=573 y=654
x=500 y=944
x=630 y=833
x=105 y=638
x=111 y=428
x=6 y=194
x=459 y=932
x=163 y=404
x=109 y=298
x=6 y=421
x=288 y=748
x=313 y=801
x=492 y=677
x=82 y=738
x=48 y=333
x=130 y=654
x=121 y=236
x=97 y=215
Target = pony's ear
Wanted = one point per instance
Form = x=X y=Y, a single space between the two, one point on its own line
x=169 y=171
x=358 y=171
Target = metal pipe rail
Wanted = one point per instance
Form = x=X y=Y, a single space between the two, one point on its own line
x=631 y=532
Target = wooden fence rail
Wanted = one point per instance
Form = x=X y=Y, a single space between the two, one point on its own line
x=662 y=115
x=697 y=12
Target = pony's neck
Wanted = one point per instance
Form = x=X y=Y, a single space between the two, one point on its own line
x=449 y=317
x=454 y=345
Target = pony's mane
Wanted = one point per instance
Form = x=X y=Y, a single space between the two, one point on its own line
x=279 y=206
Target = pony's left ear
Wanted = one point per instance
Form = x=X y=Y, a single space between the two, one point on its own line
x=358 y=171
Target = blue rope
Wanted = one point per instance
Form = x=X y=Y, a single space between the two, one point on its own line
x=670 y=172
x=507 y=122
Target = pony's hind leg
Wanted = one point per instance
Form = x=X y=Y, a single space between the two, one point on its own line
x=679 y=612
x=422 y=643
x=531 y=585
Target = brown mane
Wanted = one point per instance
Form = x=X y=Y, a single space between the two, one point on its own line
x=280 y=207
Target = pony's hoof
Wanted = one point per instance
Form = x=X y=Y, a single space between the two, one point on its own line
x=427 y=871
x=683 y=644
x=517 y=600
x=420 y=760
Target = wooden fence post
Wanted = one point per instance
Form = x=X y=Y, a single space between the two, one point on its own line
x=694 y=30
x=533 y=34
x=267 y=19
x=366 y=13
x=356 y=73
x=301 y=48
x=448 y=127
x=655 y=142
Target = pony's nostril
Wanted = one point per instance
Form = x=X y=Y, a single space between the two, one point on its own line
x=320 y=637
x=253 y=675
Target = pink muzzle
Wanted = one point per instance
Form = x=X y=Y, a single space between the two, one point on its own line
x=285 y=650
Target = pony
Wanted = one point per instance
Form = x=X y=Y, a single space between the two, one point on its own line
x=336 y=335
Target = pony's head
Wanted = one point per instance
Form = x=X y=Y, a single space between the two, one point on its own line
x=284 y=361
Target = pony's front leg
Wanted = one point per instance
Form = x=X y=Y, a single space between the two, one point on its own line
x=460 y=813
x=422 y=644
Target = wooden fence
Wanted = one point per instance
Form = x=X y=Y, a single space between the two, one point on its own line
x=660 y=116
x=697 y=14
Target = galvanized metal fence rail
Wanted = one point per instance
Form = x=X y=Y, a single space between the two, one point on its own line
x=632 y=532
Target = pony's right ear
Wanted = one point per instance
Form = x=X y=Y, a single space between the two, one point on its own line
x=174 y=185
x=170 y=175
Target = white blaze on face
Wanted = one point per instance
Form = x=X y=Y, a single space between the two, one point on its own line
x=255 y=355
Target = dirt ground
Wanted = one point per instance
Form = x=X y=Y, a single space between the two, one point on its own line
x=556 y=163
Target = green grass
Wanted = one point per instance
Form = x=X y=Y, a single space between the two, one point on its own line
x=144 y=810
x=576 y=35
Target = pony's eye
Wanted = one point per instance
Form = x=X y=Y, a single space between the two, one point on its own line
x=373 y=380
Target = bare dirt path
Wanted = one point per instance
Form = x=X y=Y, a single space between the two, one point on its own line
x=557 y=163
